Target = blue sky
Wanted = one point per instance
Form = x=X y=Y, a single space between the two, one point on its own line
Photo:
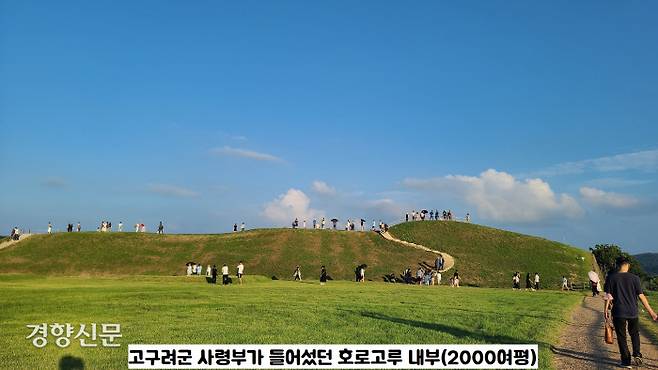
x=539 y=118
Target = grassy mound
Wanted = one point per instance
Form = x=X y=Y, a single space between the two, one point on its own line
x=488 y=257
x=265 y=252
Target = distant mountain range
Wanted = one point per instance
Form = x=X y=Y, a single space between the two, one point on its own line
x=649 y=262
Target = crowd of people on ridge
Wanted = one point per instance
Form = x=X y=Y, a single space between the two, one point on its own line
x=434 y=215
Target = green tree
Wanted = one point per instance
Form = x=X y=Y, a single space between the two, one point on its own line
x=607 y=254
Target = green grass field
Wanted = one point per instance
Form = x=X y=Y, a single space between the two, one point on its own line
x=155 y=309
x=488 y=257
x=647 y=324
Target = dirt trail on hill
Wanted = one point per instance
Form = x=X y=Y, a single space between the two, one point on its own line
x=581 y=344
x=9 y=243
x=449 y=261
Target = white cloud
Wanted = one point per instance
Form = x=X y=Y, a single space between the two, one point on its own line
x=244 y=153
x=498 y=196
x=602 y=198
x=286 y=207
x=323 y=188
x=171 y=191
x=646 y=161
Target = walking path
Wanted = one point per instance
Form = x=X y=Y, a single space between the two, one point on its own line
x=581 y=345
x=9 y=243
x=449 y=261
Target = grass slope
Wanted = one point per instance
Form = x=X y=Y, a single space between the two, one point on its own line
x=645 y=320
x=486 y=256
x=265 y=252
x=187 y=310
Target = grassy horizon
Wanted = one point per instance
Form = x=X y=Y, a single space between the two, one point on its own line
x=484 y=256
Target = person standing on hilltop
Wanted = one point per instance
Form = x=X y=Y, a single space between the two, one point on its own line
x=50 y=228
x=623 y=290
x=160 y=228
x=242 y=226
x=120 y=226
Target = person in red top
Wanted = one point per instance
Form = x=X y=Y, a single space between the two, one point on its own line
x=623 y=290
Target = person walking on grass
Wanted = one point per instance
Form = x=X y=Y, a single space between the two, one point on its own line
x=623 y=290
x=455 y=279
x=516 y=281
x=224 y=275
x=213 y=273
x=528 y=282
x=297 y=275
x=240 y=271
x=565 y=283
x=323 y=275
x=536 y=281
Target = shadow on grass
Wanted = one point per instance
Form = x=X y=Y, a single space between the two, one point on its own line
x=71 y=363
x=452 y=330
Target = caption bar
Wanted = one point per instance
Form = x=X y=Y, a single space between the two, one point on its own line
x=333 y=356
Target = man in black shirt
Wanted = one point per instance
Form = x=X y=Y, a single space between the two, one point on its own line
x=623 y=289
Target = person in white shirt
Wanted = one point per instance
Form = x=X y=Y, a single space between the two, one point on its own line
x=565 y=283
x=242 y=227
x=438 y=277
x=120 y=226
x=189 y=269
x=208 y=271
x=240 y=271
x=536 y=281
x=50 y=228
x=225 y=274
x=136 y=228
x=199 y=268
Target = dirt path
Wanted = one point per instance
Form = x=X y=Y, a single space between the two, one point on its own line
x=581 y=344
x=9 y=243
x=449 y=261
